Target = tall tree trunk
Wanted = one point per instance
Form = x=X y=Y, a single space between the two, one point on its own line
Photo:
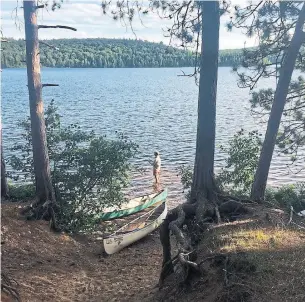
x=44 y=190
x=261 y=175
x=203 y=183
x=4 y=186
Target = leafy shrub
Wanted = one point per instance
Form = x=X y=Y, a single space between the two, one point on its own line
x=186 y=175
x=88 y=171
x=21 y=192
x=238 y=174
x=287 y=196
x=243 y=153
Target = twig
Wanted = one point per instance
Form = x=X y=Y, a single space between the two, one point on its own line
x=8 y=285
x=217 y=214
x=49 y=85
x=49 y=45
x=208 y=258
x=170 y=261
x=186 y=75
x=291 y=215
x=57 y=26
x=225 y=271
x=297 y=225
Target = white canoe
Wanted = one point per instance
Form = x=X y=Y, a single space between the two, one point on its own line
x=136 y=229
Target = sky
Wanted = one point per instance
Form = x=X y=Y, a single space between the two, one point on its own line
x=90 y=22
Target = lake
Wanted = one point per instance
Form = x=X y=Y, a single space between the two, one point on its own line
x=155 y=108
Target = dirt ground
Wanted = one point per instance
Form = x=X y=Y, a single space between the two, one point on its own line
x=265 y=261
x=57 y=267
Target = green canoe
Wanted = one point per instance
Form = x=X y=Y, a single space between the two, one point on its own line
x=134 y=205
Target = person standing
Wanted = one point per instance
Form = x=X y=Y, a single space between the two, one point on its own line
x=157 y=167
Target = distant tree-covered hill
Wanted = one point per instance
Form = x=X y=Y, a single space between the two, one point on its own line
x=107 y=53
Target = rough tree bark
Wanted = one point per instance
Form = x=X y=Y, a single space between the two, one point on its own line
x=261 y=175
x=44 y=189
x=203 y=185
x=203 y=182
x=4 y=186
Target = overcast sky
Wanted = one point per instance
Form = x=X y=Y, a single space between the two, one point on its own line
x=90 y=22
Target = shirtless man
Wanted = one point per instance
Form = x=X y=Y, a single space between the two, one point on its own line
x=157 y=167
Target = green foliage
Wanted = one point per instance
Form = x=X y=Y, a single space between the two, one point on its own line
x=56 y=4
x=241 y=164
x=88 y=171
x=21 y=192
x=237 y=176
x=272 y=23
x=287 y=196
x=23 y=163
x=291 y=135
x=186 y=174
x=108 y=53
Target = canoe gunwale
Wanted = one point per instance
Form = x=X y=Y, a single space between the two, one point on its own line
x=129 y=211
x=113 y=244
x=113 y=235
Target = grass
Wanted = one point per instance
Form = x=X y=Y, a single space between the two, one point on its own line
x=272 y=238
x=266 y=260
x=259 y=258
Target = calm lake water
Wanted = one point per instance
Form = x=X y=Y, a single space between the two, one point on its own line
x=154 y=107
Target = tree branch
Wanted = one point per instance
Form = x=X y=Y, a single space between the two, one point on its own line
x=49 y=45
x=49 y=85
x=57 y=26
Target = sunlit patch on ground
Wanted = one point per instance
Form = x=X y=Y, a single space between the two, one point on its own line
x=261 y=239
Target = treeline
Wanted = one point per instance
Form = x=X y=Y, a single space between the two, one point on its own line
x=108 y=53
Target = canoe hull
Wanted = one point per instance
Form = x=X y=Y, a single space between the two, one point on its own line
x=125 y=212
x=116 y=243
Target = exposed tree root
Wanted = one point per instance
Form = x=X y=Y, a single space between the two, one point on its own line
x=8 y=285
x=183 y=259
x=174 y=223
x=176 y=227
x=42 y=210
x=198 y=217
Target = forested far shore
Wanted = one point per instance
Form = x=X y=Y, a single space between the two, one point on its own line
x=108 y=53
